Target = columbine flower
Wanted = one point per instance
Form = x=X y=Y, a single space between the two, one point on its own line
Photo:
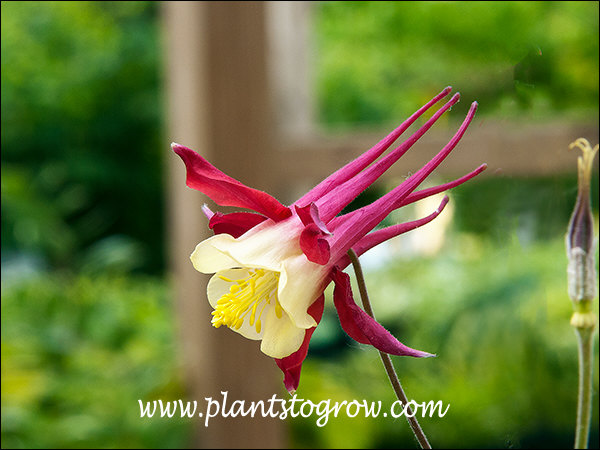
x=272 y=265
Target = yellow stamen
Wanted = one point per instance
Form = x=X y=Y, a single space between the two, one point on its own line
x=258 y=326
x=247 y=295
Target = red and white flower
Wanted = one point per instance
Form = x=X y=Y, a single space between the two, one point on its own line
x=273 y=264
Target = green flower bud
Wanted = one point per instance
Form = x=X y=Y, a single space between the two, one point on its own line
x=581 y=269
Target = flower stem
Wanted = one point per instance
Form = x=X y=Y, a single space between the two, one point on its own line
x=585 y=338
x=385 y=358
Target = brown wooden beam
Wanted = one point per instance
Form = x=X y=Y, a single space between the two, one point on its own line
x=508 y=149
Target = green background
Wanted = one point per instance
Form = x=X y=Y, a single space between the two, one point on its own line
x=87 y=320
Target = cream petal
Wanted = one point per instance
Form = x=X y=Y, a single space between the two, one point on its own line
x=208 y=257
x=265 y=246
x=300 y=284
x=281 y=337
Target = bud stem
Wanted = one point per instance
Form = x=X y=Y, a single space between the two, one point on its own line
x=585 y=339
x=385 y=358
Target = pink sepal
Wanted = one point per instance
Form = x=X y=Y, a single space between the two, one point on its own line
x=234 y=224
x=227 y=191
x=314 y=245
x=360 y=326
x=292 y=365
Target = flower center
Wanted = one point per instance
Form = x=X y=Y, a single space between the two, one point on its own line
x=247 y=296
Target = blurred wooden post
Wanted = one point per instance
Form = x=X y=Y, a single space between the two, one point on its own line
x=218 y=104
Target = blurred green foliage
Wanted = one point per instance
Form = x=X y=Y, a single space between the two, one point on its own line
x=533 y=60
x=531 y=209
x=83 y=338
x=77 y=354
x=81 y=123
x=497 y=316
